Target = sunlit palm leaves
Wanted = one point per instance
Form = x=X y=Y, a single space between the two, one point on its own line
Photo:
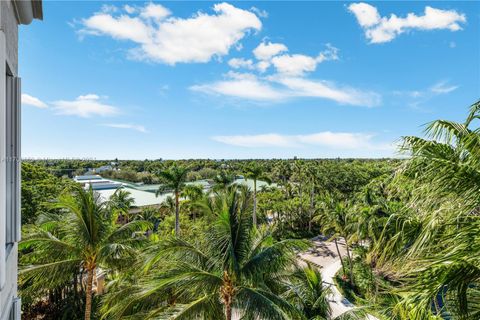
x=237 y=270
x=73 y=244
x=444 y=264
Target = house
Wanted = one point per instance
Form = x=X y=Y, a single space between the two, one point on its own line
x=96 y=182
x=12 y=14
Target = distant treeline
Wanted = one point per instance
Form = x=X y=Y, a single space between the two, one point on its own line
x=345 y=175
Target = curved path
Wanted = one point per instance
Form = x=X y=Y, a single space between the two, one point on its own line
x=324 y=254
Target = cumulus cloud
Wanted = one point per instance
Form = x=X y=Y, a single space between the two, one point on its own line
x=266 y=50
x=33 y=101
x=298 y=64
x=380 y=29
x=135 y=127
x=84 y=106
x=237 y=63
x=161 y=37
x=287 y=81
x=282 y=88
x=332 y=140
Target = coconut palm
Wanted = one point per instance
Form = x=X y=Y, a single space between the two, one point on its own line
x=223 y=180
x=255 y=172
x=334 y=217
x=444 y=257
x=236 y=270
x=192 y=193
x=76 y=243
x=121 y=201
x=307 y=293
x=174 y=180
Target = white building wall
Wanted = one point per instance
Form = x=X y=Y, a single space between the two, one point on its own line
x=8 y=258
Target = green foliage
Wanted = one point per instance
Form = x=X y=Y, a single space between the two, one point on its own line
x=235 y=267
x=39 y=188
x=60 y=249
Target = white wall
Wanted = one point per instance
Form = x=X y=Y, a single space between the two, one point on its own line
x=8 y=56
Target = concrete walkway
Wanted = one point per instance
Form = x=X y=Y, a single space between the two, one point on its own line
x=324 y=255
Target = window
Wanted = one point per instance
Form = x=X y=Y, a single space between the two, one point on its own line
x=12 y=158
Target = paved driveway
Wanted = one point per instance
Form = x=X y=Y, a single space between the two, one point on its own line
x=324 y=254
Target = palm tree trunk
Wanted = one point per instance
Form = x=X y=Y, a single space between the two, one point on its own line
x=88 y=300
x=227 y=291
x=177 y=214
x=339 y=255
x=228 y=312
x=312 y=204
x=255 y=202
x=349 y=262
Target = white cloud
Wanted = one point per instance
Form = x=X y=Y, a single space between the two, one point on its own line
x=281 y=88
x=154 y=11
x=268 y=53
x=33 y=101
x=384 y=29
x=262 y=66
x=442 y=87
x=261 y=13
x=129 y=9
x=244 y=86
x=296 y=64
x=301 y=87
x=266 y=50
x=84 y=106
x=332 y=140
x=135 y=127
x=256 y=141
x=237 y=63
x=417 y=98
x=163 y=38
x=367 y=15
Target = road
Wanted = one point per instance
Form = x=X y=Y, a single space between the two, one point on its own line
x=324 y=254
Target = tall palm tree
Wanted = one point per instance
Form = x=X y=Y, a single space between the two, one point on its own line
x=236 y=270
x=334 y=219
x=76 y=242
x=255 y=172
x=174 y=180
x=312 y=173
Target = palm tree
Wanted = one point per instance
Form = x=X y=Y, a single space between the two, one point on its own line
x=150 y=214
x=121 y=201
x=76 y=242
x=444 y=257
x=174 y=180
x=192 y=193
x=223 y=180
x=334 y=220
x=255 y=172
x=236 y=270
x=312 y=174
x=307 y=293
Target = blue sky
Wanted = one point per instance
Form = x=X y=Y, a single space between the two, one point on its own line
x=138 y=80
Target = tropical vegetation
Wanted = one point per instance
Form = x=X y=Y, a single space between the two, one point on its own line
x=409 y=229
